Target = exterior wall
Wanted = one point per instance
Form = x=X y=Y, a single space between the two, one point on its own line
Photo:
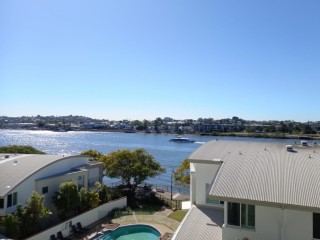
x=86 y=219
x=273 y=223
x=93 y=176
x=54 y=182
x=298 y=225
x=204 y=173
x=25 y=188
x=193 y=185
x=24 y=191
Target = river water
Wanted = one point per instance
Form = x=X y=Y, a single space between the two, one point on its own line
x=169 y=154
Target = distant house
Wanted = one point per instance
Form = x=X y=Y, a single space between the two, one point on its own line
x=168 y=119
x=254 y=190
x=22 y=174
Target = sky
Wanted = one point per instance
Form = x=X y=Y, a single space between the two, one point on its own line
x=143 y=59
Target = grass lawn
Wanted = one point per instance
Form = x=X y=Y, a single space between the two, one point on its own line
x=178 y=215
x=147 y=209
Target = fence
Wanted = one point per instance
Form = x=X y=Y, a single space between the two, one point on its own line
x=167 y=188
x=85 y=218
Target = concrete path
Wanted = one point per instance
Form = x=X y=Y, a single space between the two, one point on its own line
x=158 y=220
x=164 y=213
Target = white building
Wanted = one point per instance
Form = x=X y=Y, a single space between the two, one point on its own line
x=253 y=190
x=22 y=174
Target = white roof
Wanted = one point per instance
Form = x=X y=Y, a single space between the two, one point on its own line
x=17 y=168
x=265 y=172
x=201 y=223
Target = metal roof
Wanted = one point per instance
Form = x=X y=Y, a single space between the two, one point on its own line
x=16 y=168
x=265 y=172
x=201 y=223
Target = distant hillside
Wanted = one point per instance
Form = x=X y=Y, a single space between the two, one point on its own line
x=20 y=149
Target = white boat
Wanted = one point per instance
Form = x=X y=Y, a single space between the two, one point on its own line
x=179 y=139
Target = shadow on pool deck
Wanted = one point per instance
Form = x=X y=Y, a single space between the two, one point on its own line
x=159 y=220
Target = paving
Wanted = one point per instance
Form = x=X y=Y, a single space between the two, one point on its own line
x=159 y=220
x=175 y=196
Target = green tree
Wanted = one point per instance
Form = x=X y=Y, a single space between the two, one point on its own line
x=12 y=226
x=41 y=124
x=132 y=167
x=93 y=198
x=156 y=128
x=20 y=149
x=283 y=127
x=182 y=174
x=31 y=216
x=28 y=220
x=146 y=123
x=93 y=154
x=88 y=199
x=306 y=129
x=35 y=205
x=84 y=201
x=136 y=123
x=67 y=199
x=235 y=118
x=104 y=192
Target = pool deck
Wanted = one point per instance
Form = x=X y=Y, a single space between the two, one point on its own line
x=159 y=220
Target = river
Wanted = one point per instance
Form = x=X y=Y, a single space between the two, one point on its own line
x=169 y=154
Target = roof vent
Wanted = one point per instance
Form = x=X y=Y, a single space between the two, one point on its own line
x=304 y=143
x=6 y=156
x=15 y=162
x=289 y=148
x=309 y=155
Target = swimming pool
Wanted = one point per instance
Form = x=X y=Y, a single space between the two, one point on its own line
x=131 y=232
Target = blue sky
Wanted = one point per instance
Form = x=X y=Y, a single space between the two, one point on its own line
x=144 y=59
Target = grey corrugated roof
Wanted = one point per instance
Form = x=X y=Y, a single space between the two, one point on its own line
x=11 y=173
x=201 y=223
x=265 y=172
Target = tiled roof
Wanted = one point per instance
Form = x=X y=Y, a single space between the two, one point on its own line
x=201 y=223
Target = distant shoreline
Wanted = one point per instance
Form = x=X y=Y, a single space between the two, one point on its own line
x=266 y=135
x=215 y=134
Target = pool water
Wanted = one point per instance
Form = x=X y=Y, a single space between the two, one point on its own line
x=131 y=232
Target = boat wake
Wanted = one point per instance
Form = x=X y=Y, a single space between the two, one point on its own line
x=200 y=142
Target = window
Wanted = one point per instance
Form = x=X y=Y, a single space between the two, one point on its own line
x=92 y=181
x=12 y=199
x=9 y=200
x=247 y=216
x=45 y=190
x=80 y=181
x=241 y=215
x=316 y=225
x=1 y=203
x=234 y=214
x=15 y=198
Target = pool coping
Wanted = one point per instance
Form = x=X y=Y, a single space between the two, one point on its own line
x=163 y=228
x=115 y=226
